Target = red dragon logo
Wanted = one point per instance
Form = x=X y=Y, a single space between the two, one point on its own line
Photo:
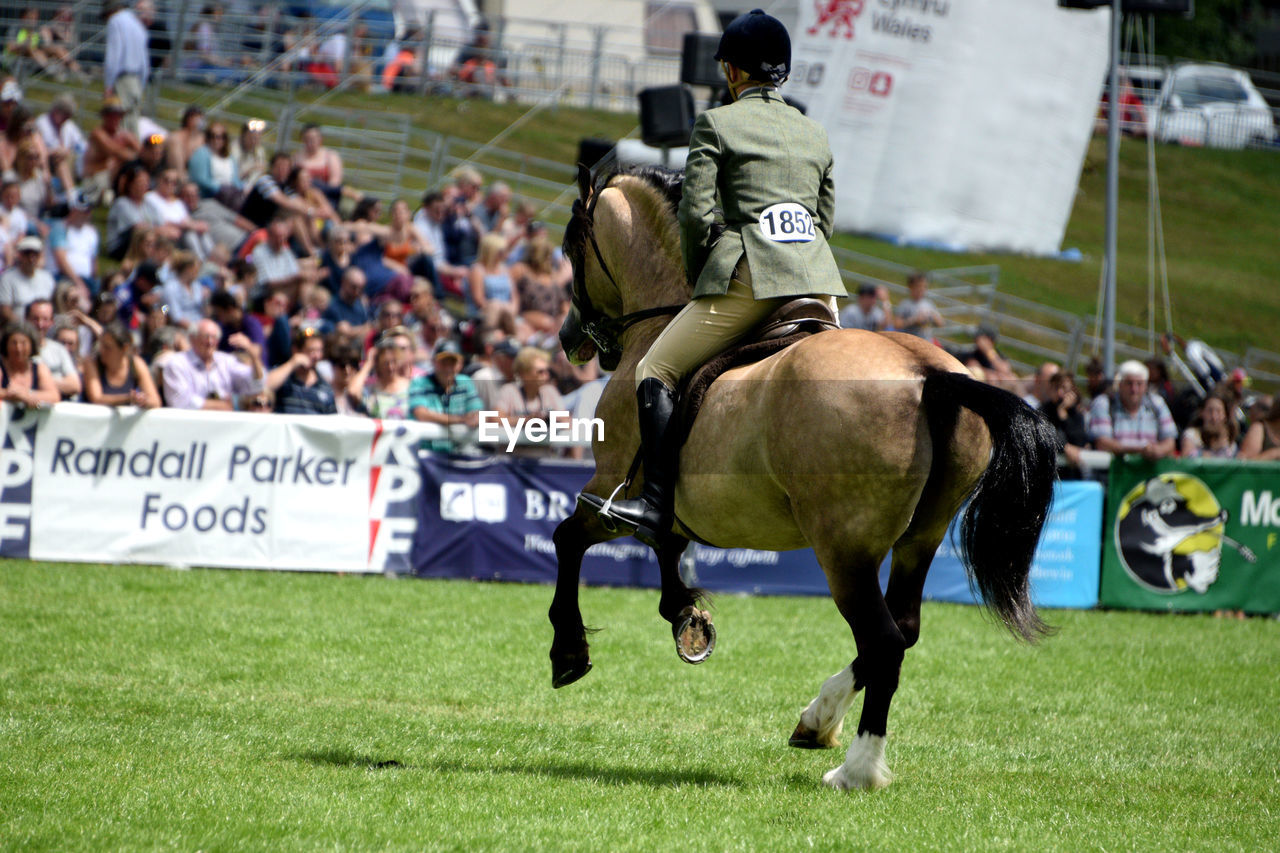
x=839 y=14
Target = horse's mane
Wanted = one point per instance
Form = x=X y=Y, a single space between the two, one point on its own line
x=666 y=187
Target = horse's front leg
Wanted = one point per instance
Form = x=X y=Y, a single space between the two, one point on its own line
x=691 y=626
x=570 y=654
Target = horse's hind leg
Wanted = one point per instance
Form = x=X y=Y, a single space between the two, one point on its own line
x=880 y=643
x=823 y=719
x=694 y=634
x=570 y=654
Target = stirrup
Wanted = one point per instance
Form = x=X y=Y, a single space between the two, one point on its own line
x=603 y=510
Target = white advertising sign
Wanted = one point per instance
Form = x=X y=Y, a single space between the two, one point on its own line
x=962 y=123
x=239 y=490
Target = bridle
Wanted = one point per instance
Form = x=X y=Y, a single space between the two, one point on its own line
x=603 y=331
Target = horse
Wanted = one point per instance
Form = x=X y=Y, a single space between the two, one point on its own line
x=852 y=443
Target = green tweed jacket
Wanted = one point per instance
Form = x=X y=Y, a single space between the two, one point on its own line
x=768 y=168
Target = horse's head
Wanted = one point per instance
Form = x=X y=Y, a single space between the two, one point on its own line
x=624 y=248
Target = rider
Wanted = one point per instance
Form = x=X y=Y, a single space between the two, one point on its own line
x=768 y=168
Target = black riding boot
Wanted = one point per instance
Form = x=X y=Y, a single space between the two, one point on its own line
x=650 y=514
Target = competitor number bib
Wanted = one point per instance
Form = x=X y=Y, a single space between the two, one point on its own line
x=787 y=222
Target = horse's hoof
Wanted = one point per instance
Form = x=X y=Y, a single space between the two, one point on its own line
x=806 y=738
x=569 y=670
x=695 y=635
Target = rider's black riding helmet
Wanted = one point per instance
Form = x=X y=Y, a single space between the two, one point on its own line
x=758 y=44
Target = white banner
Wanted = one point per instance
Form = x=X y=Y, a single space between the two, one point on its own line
x=955 y=122
x=236 y=490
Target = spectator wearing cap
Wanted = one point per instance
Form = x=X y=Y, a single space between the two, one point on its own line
x=863 y=312
x=231 y=317
x=111 y=145
x=10 y=102
x=73 y=245
x=127 y=64
x=299 y=389
x=1131 y=420
x=445 y=396
x=25 y=281
x=59 y=131
x=204 y=378
x=61 y=363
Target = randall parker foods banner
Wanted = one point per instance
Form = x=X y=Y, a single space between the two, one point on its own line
x=236 y=490
x=956 y=122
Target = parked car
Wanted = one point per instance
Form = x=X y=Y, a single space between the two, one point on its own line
x=1210 y=105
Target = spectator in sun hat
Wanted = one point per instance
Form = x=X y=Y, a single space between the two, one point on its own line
x=1131 y=419
x=111 y=145
x=24 y=282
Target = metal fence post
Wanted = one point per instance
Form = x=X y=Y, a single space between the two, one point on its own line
x=597 y=56
x=437 y=161
x=349 y=48
x=405 y=129
x=428 y=36
x=558 y=86
x=179 y=40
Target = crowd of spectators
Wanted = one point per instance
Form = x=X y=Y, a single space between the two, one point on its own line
x=189 y=268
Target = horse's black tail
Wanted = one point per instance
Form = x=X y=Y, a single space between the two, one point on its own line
x=1008 y=506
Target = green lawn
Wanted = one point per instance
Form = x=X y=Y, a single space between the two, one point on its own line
x=148 y=708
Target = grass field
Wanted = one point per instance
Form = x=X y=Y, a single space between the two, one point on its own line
x=217 y=710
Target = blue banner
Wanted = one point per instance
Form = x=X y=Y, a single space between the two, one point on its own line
x=493 y=519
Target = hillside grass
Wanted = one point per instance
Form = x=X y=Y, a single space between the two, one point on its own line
x=147 y=708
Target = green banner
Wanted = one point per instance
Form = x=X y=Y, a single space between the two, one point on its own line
x=1192 y=534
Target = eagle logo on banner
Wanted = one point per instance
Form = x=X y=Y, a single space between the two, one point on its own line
x=839 y=14
x=1169 y=533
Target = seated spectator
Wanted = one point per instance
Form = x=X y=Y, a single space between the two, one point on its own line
x=116 y=375
x=153 y=158
x=430 y=220
x=348 y=311
x=1262 y=440
x=58 y=38
x=26 y=41
x=214 y=169
x=169 y=212
x=276 y=265
x=323 y=165
x=213 y=58
x=1066 y=413
x=346 y=363
x=130 y=210
x=996 y=368
x=404 y=244
x=336 y=258
x=380 y=386
x=426 y=319
x=110 y=147
x=24 y=282
x=863 y=312
x=541 y=294
x=401 y=72
x=323 y=214
x=1042 y=390
x=1212 y=432
x=494 y=211
x=141 y=294
x=73 y=244
x=10 y=101
x=298 y=387
x=479 y=65
x=60 y=133
x=267 y=196
x=917 y=315
x=14 y=223
x=35 y=183
x=532 y=395
x=445 y=396
x=186 y=140
x=249 y=153
x=494 y=366
x=184 y=294
x=230 y=316
x=385 y=279
x=1096 y=381
x=1132 y=420
x=61 y=362
x=24 y=380
x=226 y=227
x=67 y=333
x=204 y=378
x=491 y=297
x=387 y=316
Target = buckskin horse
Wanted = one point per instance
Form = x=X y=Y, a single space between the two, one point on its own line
x=852 y=443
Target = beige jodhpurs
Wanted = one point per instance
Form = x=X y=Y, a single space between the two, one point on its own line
x=704 y=328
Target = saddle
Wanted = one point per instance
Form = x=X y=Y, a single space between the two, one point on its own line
x=793 y=321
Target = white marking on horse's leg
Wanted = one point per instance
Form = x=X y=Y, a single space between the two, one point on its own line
x=864 y=766
x=825 y=714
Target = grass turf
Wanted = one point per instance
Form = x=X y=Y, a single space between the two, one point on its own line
x=150 y=708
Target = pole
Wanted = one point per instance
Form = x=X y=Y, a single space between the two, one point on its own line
x=1113 y=194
